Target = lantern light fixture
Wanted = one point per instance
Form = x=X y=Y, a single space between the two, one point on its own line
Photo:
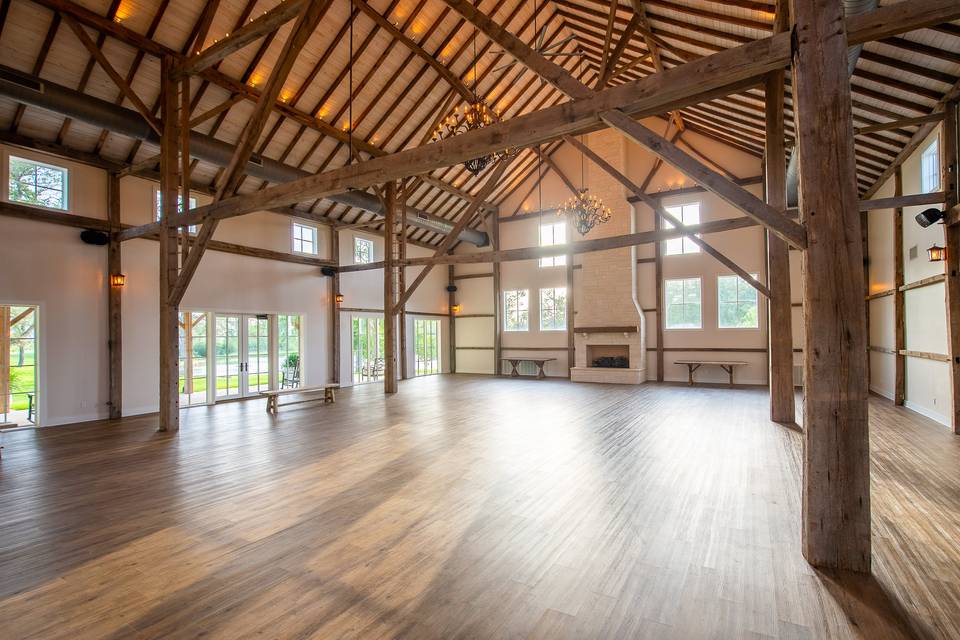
x=339 y=298
x=455 y=308
x=117 y=279
x=936 y=253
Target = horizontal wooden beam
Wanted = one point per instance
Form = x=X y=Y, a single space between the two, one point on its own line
x=896 y=124
x=245 y=35
x=34 y=214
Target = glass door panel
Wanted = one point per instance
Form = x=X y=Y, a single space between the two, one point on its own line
x=193 y=358
x=426 y=347
x=367 y=349
x=228 y=362
x=289 y=351
x=257 y=366
x=19 y=393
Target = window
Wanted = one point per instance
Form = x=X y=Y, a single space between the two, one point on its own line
x=426 y=346
x=37 y=183
x=551 y=234
x=687 y=214
x=516 y=310
x=304 y=239
x=682 y=299
x=289 y=350
x=737 y=303
x=930 y=168
x=158 y=205
x=19 y=391
x=553 y=309
x=362 y=251
x=367 y=349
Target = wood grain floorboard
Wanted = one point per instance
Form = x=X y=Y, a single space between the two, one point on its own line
x=466 y=507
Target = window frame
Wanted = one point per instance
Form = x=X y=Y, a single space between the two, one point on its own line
x=192 y=203
x=667 y=305
x=366 y=241
x=294 y=224
x=738 y=282
x=687 y=246
x=506 y=312
x=554 y=310
x=932 y=151
x=553 y=261
x=67 y=196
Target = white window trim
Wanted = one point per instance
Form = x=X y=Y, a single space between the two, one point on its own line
x=554 y=259
x=192 y=229
x=540 y=309
x=293 y=239
x=756 y=277
x=353 y=249
x=505 y=329
x=935 y=146
x=67 y=191
x=683 y=239
x=665 y=305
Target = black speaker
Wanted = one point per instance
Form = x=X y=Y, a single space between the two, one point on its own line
x=452 y=288
x=328 y=271
x=99 y=238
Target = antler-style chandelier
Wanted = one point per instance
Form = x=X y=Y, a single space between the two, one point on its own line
x=585 y=210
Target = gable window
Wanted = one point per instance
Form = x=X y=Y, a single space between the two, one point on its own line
x=37 y=183
x=362 y=251
x=304 y=239
x=553 y=309
x=158 y=206
x=682 y=298
x=737 y=302
x=687 y=214
x=516 y=310
x=553 y=234
x=930 y=168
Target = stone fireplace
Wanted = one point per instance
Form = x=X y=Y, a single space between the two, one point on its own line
x=608 y=321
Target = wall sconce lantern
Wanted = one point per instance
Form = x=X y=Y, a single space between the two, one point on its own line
x=339 y=298
x=455 y=308
x=936 y=253
x=117 y=279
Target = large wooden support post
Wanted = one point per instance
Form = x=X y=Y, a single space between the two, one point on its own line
x=390 y=290
x=335 y=309
x=497 y=296
x=899 y=300
x=658 y=275
x=836 y=455
x=948 y=181
x=402 y=282
x=778 y=261
x=452 y=300
x=114 y=324
x=169 y=322
x=571 y=306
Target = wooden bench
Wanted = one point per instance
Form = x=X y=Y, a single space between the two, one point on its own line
x=328 y=390
x=726 y=365
x=539 y=362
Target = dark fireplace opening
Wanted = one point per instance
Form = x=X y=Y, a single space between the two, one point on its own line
x=608 y=356
x=611 y=362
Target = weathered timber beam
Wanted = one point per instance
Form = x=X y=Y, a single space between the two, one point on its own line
x=719 y=74
x=245 y=35
x=896 y=124
x=736 y=195
x=666 y=215
x=465 y=218
x=118 y=80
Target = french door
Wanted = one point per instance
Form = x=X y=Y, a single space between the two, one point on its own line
x=242 y=343
x=367 y=349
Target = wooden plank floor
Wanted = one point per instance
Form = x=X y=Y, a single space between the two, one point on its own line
x=465 y=507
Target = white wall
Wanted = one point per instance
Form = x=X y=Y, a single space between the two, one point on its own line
x=744 y=246
x=927 y=388
x=47 y=265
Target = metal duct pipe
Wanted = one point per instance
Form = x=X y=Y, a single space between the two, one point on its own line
x=36 y=92
x=850 y=8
